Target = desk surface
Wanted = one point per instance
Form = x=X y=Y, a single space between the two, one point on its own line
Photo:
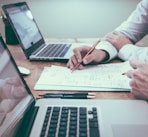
x=37 y=67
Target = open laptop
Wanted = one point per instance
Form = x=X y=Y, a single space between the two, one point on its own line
x=22 y=116
x=22 y=21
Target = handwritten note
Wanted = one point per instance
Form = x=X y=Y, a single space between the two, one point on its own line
x=107 y=76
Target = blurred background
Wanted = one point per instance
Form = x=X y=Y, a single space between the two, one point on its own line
x=77 y=18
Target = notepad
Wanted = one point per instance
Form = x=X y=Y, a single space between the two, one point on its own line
x=104 y=77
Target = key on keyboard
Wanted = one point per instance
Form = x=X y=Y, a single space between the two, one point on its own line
x=55 y=50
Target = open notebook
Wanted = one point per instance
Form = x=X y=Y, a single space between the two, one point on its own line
x=23 y=116
x=31 y=40
x=103 y=77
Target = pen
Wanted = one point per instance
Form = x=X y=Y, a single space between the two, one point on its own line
x=90 y=51
x=124 y=73
x=69 y=95
x=77 y=93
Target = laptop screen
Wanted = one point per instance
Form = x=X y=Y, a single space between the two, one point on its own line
x=24 y=24
x=14 y=95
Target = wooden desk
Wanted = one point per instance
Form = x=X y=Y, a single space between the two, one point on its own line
x=37 y=67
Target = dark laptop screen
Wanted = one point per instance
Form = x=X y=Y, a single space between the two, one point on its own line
x=14 y=98
x=24 y=24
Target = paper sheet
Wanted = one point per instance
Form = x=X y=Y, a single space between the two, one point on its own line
x=106 y=77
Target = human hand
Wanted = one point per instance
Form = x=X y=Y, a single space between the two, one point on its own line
x=117 y=39
x=94 y=57
x=139 y=79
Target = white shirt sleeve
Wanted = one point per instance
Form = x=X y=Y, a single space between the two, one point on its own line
x=109 y=48
x=136 y=26
x=133 y=52
x=2 y=83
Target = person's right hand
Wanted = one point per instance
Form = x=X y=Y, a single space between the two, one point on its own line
x=94 y=58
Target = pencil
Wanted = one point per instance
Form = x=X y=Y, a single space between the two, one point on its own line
x=90 y=51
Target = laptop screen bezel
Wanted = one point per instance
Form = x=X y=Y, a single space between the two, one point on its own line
x=36 y=45
x=15 y=66
x=32 y=101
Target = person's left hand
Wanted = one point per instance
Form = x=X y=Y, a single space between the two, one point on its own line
x=139 y=79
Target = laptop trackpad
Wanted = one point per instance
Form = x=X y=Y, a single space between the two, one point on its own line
x=130 y=130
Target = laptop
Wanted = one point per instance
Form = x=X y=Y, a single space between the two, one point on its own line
x=30 y=38
x=23 y=116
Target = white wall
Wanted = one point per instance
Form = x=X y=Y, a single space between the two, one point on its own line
x=77 y=18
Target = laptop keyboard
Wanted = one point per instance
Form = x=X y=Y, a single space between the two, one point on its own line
x=55 y=50
x=70 y=122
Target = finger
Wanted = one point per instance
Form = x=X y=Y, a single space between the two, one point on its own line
x=81 y=52
x=129 y=73
x=134 y=92
x=78 y=55
x=134 y=74
x=68 y=65
x=137 y=82
x=135 y=63
x=72 y=62
x=134 y=89
x=138 y=94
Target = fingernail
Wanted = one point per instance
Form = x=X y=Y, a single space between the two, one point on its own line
x=85 y=61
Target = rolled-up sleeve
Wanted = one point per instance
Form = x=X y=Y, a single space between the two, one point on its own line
x=136 y=26
x=109 y=48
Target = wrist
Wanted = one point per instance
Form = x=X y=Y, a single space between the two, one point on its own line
x=109 y=50
x=105 y=56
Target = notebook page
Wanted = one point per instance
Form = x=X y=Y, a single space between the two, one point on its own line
x=98 y=76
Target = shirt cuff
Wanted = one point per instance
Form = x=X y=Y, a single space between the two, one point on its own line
x=109 y=48
x=126 y=52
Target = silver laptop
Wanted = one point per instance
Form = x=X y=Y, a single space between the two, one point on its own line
x=22 y=116
x=30 y=38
